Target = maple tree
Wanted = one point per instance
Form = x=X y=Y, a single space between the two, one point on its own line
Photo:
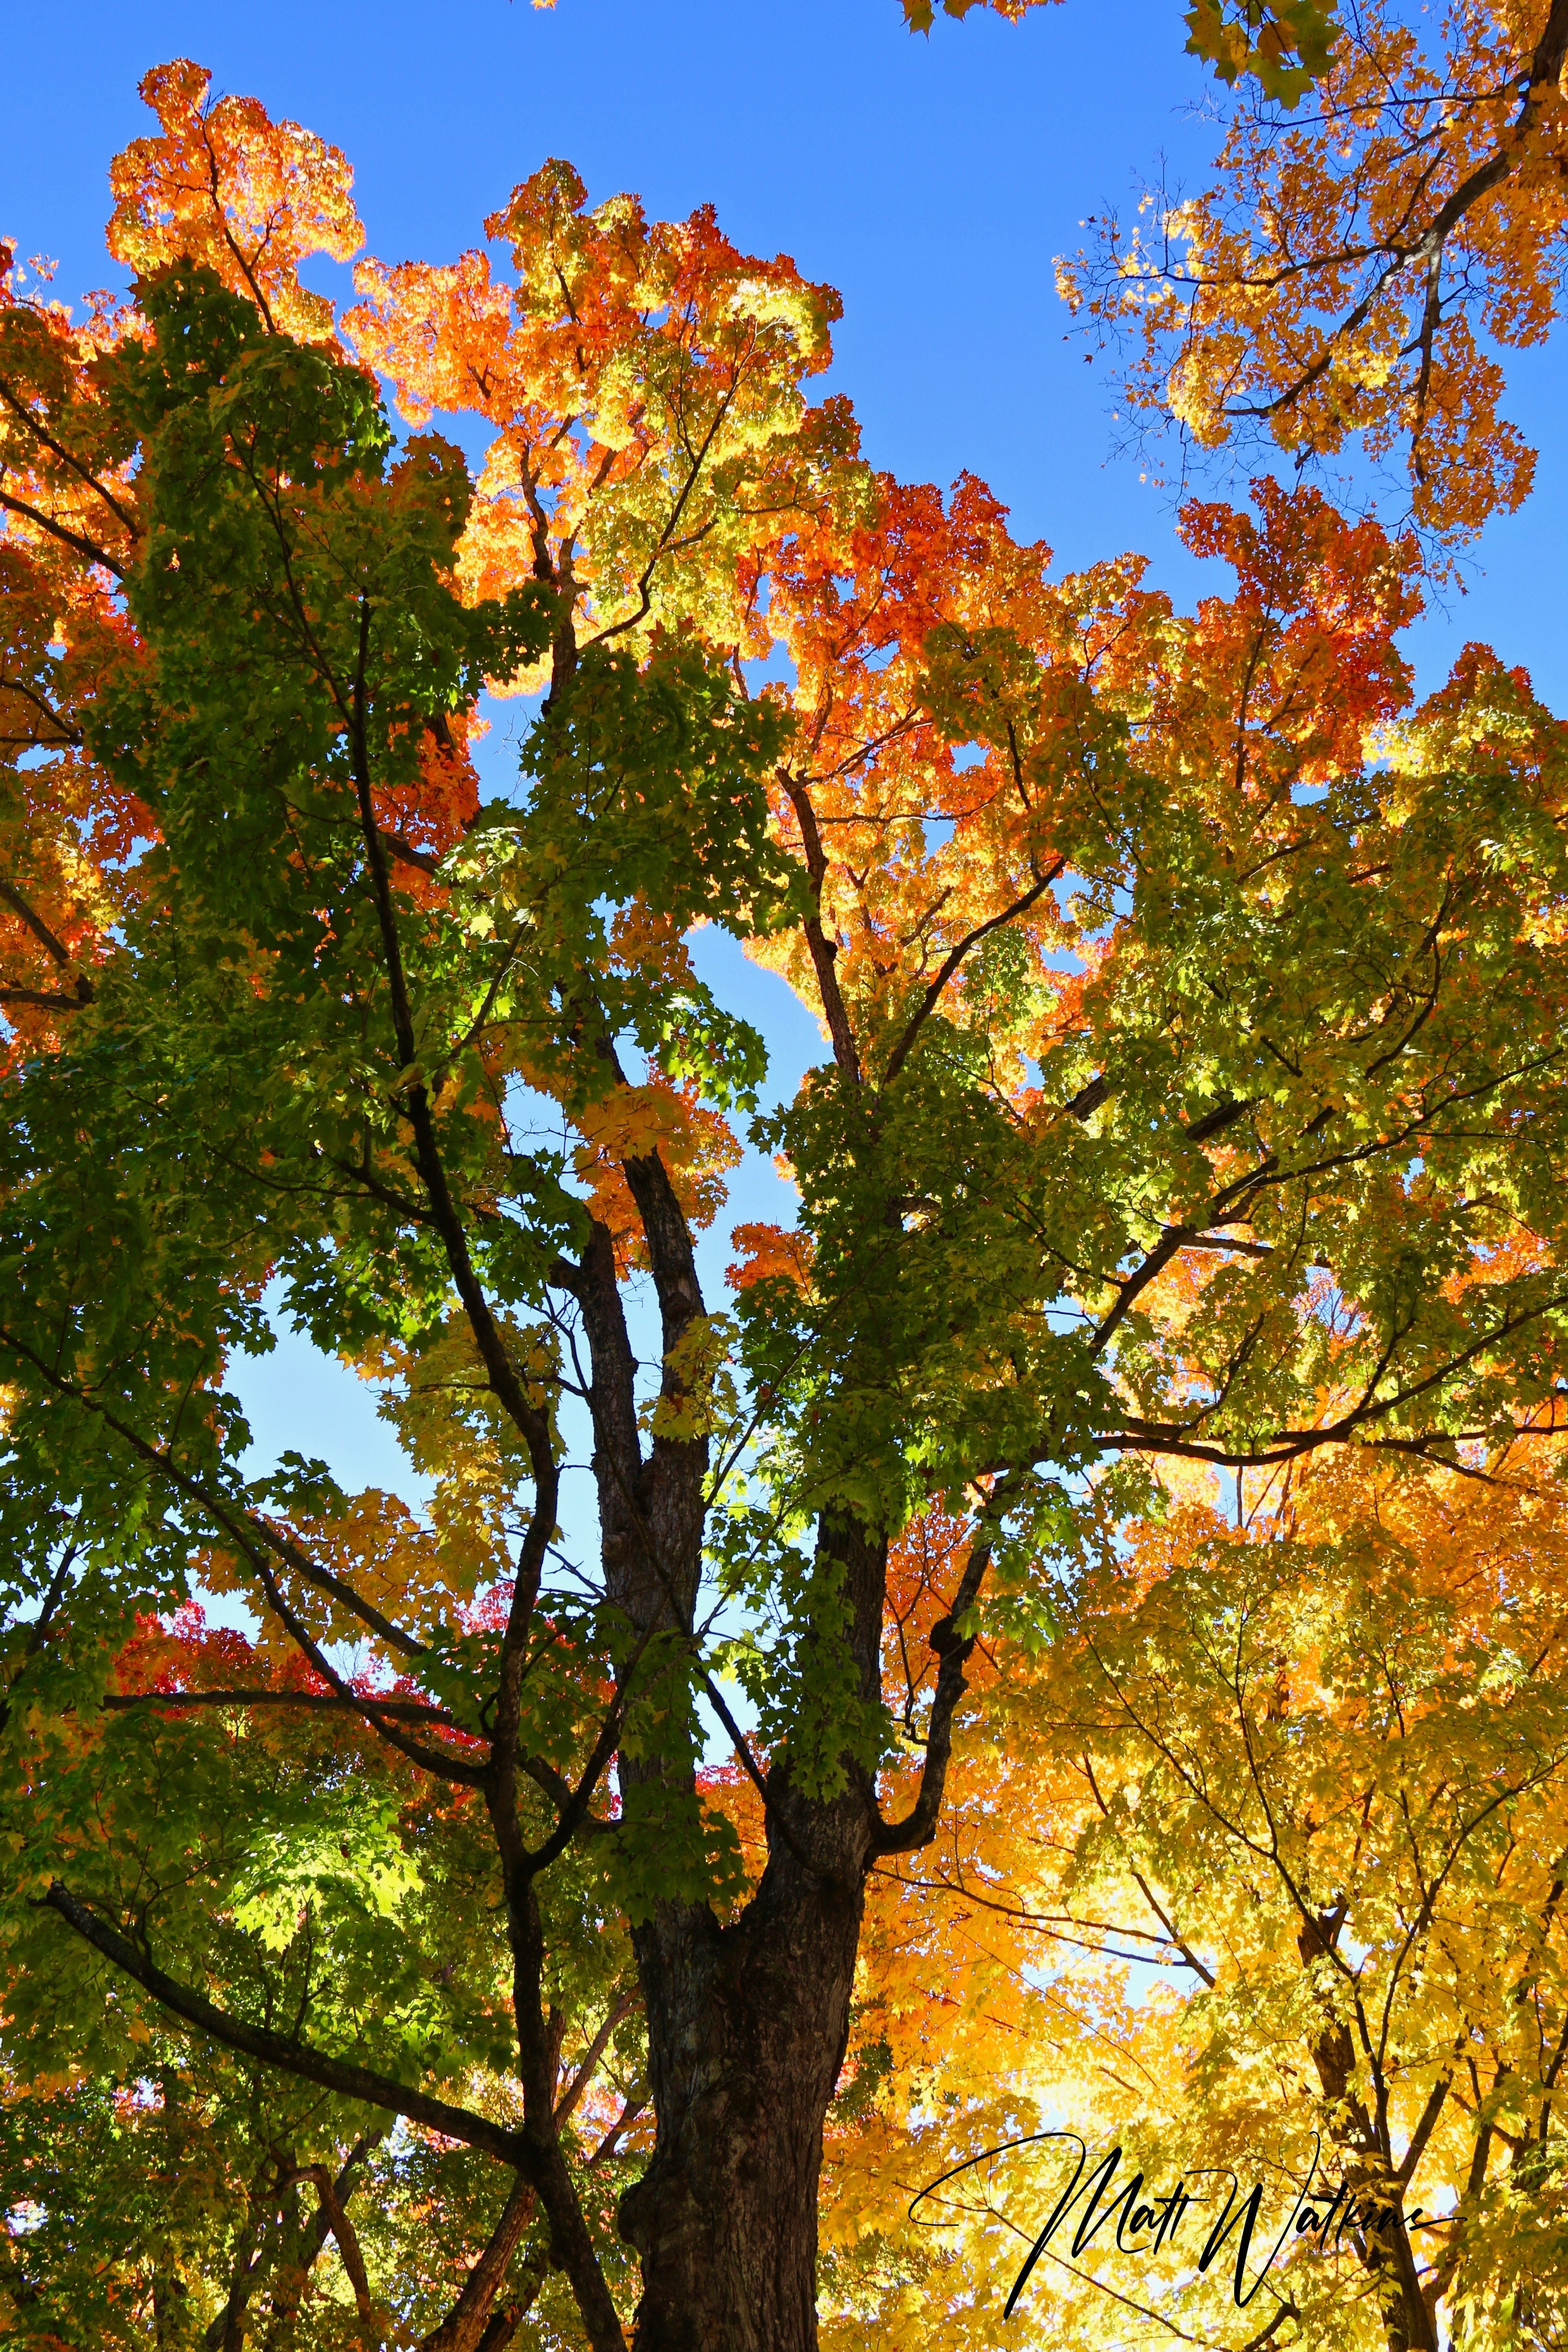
x=1192 y=1093
x=1255 y=1872
x=1385 y=220
x=1355 y=274
x=168 y=2192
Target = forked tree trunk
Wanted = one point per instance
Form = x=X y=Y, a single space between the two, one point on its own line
x=748 y=2023
x=747 y=2030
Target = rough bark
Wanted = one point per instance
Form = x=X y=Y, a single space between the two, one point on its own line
x=748 y=2022
x=748 y=2025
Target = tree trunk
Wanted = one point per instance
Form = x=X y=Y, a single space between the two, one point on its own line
x=747 y=2023
x=1369 y=2172
x=748 y=2026
x=747 y=2030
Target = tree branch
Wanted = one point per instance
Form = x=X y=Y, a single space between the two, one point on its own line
x=464 y=2329
x=621 y=2007
x=29 y=417
x=955 y=956
x=824 y=954
x=36 y=925
x=242 y=1524
x=277 y=2050
x=402 y=1710
x=50 y=999
x=94 y=554
x=334 y=2215
x=919 y=1826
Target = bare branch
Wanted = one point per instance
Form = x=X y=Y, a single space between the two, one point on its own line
x=919 y=1826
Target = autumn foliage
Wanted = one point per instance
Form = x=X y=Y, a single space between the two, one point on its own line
x=1353 y=276
x=1077 y=1635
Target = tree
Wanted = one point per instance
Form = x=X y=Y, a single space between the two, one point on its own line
x=1309 y=1770
x=1355 y=269
x=1193 y=1092
x=169 y=2190
x=1353 y=273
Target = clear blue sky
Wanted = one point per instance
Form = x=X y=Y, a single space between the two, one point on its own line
x=932 y=181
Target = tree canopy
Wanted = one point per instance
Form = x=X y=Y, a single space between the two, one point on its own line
x=1115 y=1528
x=1385 y=224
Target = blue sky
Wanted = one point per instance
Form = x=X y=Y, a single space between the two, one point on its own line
x=932 y=181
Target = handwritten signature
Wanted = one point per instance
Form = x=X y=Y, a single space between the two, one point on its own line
x=1138 y=2213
